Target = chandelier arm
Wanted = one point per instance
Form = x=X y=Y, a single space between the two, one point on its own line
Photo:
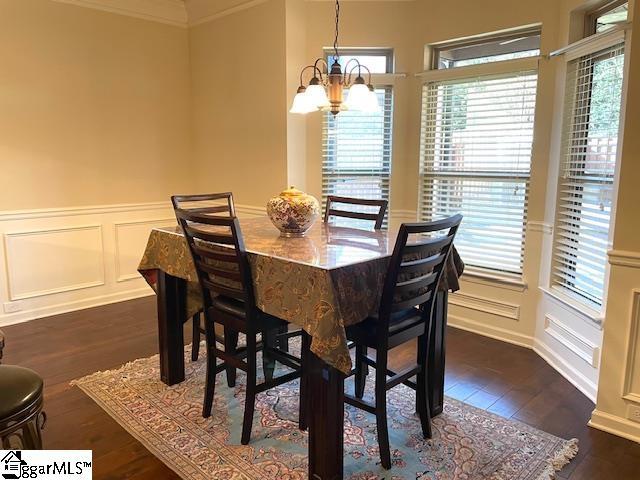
x=347 y=72
x=359 y=66
x=304 y=69
x=315 y=65
x=368 y=71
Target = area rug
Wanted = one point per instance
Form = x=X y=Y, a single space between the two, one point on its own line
x=467 y=444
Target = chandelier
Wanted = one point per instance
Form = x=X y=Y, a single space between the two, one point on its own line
x=324 y=91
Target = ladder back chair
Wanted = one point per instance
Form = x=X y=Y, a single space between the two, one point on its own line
x=220 y=258
x=208 y=204
x=377 y=217
x=405 y=313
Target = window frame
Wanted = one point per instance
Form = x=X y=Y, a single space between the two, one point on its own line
x=588 y=47
x=437 y=48
x=364 y=51
x=384 y=173
x=591 y=16
x=501 y=67
x=464 y=73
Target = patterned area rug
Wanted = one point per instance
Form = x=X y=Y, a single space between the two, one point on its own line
x=468 y=443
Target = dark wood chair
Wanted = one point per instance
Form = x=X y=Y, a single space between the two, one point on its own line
x=207 y=204
x=373 y=215
x=405 y=313
x=220 y=258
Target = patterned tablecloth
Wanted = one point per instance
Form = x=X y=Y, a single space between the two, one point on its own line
x=329 y=279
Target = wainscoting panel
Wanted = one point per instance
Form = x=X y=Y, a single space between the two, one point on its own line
x=65 y=259
x=486 y=305
x=49 y=261
x=570 y=339
x=632 y=371
x=130 y=241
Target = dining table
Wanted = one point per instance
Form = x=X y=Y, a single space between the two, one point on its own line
x=322 y=282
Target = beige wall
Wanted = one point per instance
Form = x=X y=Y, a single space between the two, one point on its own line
x=94 y=107
x=239 y=100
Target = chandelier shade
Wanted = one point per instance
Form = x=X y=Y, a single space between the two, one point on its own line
x=302 y=102
x=325 y=90
x=358 y=97
x=318 y=96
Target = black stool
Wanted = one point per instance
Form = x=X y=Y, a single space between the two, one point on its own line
x=21 y=415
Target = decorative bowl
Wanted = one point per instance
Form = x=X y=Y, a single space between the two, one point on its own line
x=293 y=212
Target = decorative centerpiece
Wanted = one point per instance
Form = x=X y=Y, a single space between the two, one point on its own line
x=293 y=212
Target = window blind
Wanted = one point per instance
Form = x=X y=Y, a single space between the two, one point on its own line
x=476 y=143
x=356 y=151
x=593 y=96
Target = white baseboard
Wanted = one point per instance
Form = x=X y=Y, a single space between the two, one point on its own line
x=573 y=376
x=576 y=378
x=60 y=308
x=615 y=425
x=497 y=333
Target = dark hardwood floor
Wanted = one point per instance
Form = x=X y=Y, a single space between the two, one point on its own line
x=505 y=379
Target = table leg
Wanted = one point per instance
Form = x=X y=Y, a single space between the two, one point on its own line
x=326 y=420
x=436 y=360
x=171 y=294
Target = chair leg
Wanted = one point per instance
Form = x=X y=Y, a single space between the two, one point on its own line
x=210 y=382
x=268 y=363
x=250 y=398
x=195 y=338
x=422 y=385
x=32 y=437
x=361 y=371
x=283 y=342
x=381 y=409
x=230 y=347
x=304 y=382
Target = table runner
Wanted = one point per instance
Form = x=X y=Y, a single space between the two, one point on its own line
x=293 y=281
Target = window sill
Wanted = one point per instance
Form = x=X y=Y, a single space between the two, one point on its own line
x=494 y=279
x=591 y=314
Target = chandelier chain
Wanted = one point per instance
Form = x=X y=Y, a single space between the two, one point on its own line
x=335 y=41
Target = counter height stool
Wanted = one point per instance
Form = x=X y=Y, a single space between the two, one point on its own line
x=208 y=204
x=405 y=313
x=224 y=273
x=21 y=415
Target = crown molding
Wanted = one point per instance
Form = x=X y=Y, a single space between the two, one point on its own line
x=171 y=12
x=201 y=12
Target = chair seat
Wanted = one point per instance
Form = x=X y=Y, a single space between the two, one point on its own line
x=236 y=309
x=20 y=389
x=365 y=332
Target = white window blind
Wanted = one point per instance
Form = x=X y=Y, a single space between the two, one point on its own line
x=476 y=160
x=356 y=151
x=591 y=121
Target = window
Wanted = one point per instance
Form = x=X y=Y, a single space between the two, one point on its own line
x=522 y=44
x=477 y=135
x=476 y=160
x=356 y=146
x=606 y=17
x=593 y=95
